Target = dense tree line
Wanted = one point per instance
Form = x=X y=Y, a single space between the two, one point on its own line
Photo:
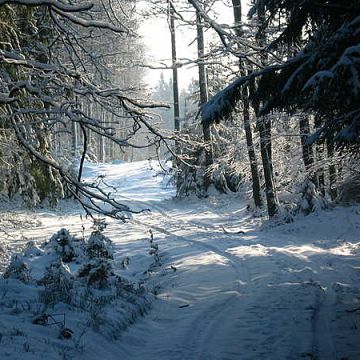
x=67 y=86
x=282 y=118
x=296 y=87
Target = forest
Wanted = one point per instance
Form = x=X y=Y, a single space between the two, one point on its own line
x=179 y=178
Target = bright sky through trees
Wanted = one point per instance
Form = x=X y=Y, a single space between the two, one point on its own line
x=156 y=37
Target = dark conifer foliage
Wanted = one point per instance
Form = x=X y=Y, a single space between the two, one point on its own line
x=323 y=75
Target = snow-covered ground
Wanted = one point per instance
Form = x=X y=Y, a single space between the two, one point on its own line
x=229 y=286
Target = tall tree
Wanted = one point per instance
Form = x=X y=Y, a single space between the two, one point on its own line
x=175 y=83
x=264 y=125
x=237 y=12
x=203 y=97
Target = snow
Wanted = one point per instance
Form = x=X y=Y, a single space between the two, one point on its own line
x=289 y=291
x=135 y=183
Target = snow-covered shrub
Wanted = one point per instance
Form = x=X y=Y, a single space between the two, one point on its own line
x=225 y=176
x=189 y=181
x=17 y=269
x=31 y=250
x=189 y=176
x=225 y=168
x=98 y=273
x=65 y=245
x=58 y=283
x=86 y=290
x=99 y=246
x=311 y=199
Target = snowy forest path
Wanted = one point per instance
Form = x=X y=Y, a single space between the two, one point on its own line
x=220 y=302
x=207 y=297
x=231 y=286
x=239 y=292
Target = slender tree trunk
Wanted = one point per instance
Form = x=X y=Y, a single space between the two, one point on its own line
x=112 y=145
x=83 y=155
x=89 y=113
x=267 y=123
x=319 y=160
x=264 y=125
x=332 y=170
x=271 y=199
x=307 y=151
x=251 y=151
x=74 y=139
x=101 y=141
x=204 y=98
x=175 y=86
x=320 y=170
x=174 y=70
x=237 y=11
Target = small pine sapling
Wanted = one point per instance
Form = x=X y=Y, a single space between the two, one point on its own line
x=17 y=269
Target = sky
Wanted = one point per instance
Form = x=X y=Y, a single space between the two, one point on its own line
x=156 y=37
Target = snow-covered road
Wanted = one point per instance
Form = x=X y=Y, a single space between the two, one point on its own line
x=230 y=288
x=258 y=295
x=272 y=294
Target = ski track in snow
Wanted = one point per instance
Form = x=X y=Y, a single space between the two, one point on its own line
x=274 y=294
x=205 y=324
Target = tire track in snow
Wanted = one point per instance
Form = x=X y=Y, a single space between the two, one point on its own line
x=162 y=211
x=323 y=342
x=209 y=327
x=205 y=325
x=206 y=336
x=181 y=225
x=232 y=259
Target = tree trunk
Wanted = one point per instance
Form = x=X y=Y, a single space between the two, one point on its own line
x=175 y=86
x=307 y=151
x=237 y=11
x=101 y=141
x=204 y=98
x=251 y=151
x=74 y=139
x=332 y=170
x=174 y=71
x=272 y=203
x=320 y=175
x=264 y=125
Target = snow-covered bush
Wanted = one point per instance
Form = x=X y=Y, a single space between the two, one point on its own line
x=223 y=173
x=85 y=288
x=17 y=269
x=58 y=282
x=99 y=246
x=225 y=176
x=98 y=273
x=311 y=199
x=65 y=245
x=31 y=249
x=188 y=177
